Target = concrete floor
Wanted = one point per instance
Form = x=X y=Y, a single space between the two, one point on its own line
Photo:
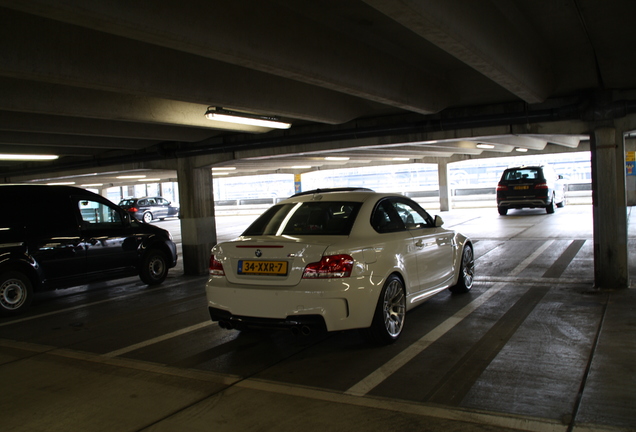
x=532 y=347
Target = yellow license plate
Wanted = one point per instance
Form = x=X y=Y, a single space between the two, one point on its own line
x=277 y=268
x=522 y=187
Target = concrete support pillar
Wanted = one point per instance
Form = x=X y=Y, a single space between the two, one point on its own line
x=610 y=212
x=198 y=227
x=444 y=186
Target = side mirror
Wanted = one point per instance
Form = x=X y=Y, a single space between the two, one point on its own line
x=438 y=221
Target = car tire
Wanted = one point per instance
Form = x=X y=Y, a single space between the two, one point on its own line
x=551 y=207
x=562 y=203
x=16 y=293
x=388 y=319
x=154 y=267
x=502 y=211
x=147 y=217
x=466 y=272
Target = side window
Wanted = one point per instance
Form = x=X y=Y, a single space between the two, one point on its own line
x=97 y=215
x=410 y=216
x=385 y=219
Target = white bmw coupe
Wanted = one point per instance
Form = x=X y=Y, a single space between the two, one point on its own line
x=336 y=259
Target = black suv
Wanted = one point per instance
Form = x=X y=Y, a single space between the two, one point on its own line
x=60 y=236
x=530 y=187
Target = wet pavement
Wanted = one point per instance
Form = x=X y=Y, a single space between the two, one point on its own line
x=532 y=347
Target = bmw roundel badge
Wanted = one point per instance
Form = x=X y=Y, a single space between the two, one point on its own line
x=258 y=253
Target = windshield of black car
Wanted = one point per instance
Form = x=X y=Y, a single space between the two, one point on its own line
x=306 y=218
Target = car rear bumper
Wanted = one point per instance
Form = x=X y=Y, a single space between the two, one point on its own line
x=338 y=306
x=523 y=203
x=297 y=324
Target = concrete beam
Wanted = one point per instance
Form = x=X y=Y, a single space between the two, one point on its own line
x=40 y=49
x=59 y=124
x=496 y=42
x=265 y=37
x=56 y=99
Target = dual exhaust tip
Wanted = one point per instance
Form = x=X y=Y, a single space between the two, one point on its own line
x=297 y=330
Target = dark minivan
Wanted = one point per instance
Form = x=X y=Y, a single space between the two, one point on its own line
x=60 y=236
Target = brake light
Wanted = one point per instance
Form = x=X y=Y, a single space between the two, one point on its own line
x=334 y=266
x=133 y=209
x=541 y=186
x=216 y=268
x=501 y=187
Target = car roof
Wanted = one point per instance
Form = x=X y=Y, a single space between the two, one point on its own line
x=48 y=189
x=526 y=167
x=338 y=194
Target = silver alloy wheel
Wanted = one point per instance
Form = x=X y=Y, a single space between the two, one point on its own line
x=468 y=267
x=13 y=294
x=394 y=307
x=147 y=217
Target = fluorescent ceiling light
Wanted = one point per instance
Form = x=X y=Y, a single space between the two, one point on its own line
x=400 y=159
x=522 y=150
x=301 y=167
x=223 y=168
x=224 y=115
x=485 y=146
x=24 y=157
x=336 y=158
x=131 y=177
x=61 y=183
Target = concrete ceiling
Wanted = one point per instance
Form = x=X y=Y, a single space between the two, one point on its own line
x=122 y=86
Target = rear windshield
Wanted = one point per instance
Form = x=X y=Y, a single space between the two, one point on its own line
x=523 y=174
x=308 y=218
x=127 y=202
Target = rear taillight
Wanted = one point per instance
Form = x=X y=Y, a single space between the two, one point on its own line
x=541 y=186
x=133 y=209
x=501 y=187
x=216 y=268
x=333 y=266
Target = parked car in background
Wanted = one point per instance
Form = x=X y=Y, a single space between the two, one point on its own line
x=530 y=187
x=147 y=209
x=75 y=237
x=336 y=260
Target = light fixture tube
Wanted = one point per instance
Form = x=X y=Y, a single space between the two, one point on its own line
x=24 y=157
x=224 y=115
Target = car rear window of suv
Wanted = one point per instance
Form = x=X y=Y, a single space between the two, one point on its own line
x=523 y=174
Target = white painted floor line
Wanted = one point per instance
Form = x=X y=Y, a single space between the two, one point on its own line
x=158 y=339
x=498 y=420
x=526 y=262
x=389 y=368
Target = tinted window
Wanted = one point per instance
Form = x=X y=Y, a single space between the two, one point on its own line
x=310 y=218
x=398 y=214
x=96 y=214
x=523 y=174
